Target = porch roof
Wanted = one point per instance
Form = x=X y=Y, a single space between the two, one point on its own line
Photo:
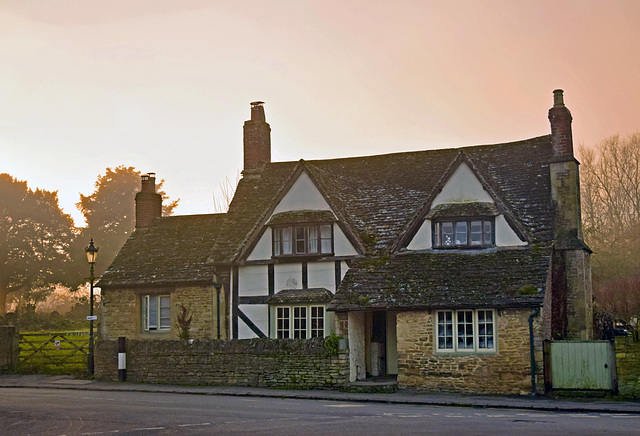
x=431 y=280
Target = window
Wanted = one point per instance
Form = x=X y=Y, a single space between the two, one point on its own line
x=303 y=240
x=465 y=330
x=300 y=322
x=463 y=233
x=156 y=312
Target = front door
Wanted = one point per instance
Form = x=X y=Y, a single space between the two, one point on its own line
x=378 y=344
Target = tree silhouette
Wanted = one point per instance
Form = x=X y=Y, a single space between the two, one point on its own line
x=109 y=213
x=35 y=239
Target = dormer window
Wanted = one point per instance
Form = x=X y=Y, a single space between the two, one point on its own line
x=302 y=240
x=463 y=233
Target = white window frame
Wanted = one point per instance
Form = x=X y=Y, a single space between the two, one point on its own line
x=156 y=312
x=458 y=322
x=288 y=317
x=302 y=240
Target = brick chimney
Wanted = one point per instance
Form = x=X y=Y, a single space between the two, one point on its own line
x=257 y=140
x=560 y=119
x=148 y=202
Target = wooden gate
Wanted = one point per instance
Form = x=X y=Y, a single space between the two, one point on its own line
x=580 y=365
x=54 y=352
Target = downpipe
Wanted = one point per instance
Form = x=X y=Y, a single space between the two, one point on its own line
x=532 y=351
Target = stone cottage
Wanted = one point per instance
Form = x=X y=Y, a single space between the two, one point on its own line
x=438 y=266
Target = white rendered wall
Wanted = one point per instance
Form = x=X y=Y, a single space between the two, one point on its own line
x=341 y=245
x=462 y=186
x=357 y=362
x=259 y=315
x=262 y=250
x=422 y=239
x=253 y=280
x=505 y=235
x=303 y=195
x=322 y=275
x=288 y=276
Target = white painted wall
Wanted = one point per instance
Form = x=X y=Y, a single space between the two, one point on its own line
x=505 y=235
x=422 y=239
x=259 y=315
x=262 y=250
x=341 y=245
x=253 y=280
x=322 y=275
x=302 y=195
x=288 y=276
x=357 y=362
x=462 y=186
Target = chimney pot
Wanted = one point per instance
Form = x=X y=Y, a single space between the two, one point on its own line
x=558 y=98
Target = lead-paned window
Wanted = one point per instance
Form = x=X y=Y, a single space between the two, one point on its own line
x=300 y=322
x=463 y=233
x=465 y=330
x=156 y=312
x=283 y=322
x=302 y=240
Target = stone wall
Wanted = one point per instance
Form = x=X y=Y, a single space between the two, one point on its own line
x=628 y=366
x=122 y=312
x=250 y=362
x=9 y=348
x=506 y=371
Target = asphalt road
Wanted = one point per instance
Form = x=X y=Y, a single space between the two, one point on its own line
x=72 y=412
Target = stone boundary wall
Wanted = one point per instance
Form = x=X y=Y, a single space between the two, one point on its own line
x=298 y=363
x=628 y=366
x=9 y=348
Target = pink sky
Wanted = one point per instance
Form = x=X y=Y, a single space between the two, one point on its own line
x=165 y=86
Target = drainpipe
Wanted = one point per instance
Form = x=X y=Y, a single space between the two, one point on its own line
x=532 y=351
x=218 y=286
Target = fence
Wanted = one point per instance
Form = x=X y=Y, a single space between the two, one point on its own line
x=60 y=353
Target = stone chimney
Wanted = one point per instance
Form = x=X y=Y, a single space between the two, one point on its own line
x=257 y=140
x=571 y=315
x=148 y=202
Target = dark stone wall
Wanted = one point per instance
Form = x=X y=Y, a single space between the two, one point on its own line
x=9 y=348
x=303 y=364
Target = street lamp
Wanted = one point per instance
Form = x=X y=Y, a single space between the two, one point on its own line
x=92 y=253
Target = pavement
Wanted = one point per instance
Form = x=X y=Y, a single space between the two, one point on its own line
x=539 y=402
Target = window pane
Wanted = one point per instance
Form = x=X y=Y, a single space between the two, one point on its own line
x=300 y=322
x=317 y=322
x=282 y=322
x=465 y=329
x=313 y=239
x=300 y=240
x=277 y=240
x=476 y=233
x=485 y=329
x=145 y=312
x=286 y=240
x=461 y=233
x=153 y=312
x=165 y=311
x=445 y=330
x=325 y=238
x=447 y=234
x=488 y=233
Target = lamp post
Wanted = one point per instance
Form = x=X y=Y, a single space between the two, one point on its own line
x=92 y=253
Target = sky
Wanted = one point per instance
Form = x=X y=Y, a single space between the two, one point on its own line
x=165 y=86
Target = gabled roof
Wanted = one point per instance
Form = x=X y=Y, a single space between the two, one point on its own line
x=428 y=280
x=377 y=198
x=173 y=250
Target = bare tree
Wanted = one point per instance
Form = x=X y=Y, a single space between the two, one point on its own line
x=227 y=189
x=611 y=206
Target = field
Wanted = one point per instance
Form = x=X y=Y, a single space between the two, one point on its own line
x=54 y=353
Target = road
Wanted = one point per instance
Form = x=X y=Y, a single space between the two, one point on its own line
x=75 y=412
